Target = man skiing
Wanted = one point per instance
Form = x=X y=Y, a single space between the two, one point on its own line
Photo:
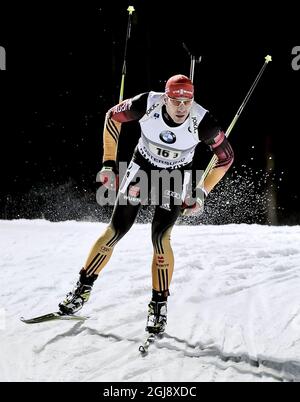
x=172 y=124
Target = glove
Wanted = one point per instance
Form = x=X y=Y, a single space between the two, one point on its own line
x=109 y=176
x=194 y=206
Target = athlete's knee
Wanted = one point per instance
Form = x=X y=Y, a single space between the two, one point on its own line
x=123 y=218
x=160 y=237
x=118 y=229
x=156 y=232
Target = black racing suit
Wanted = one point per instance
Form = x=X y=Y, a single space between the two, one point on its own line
x=166 y=213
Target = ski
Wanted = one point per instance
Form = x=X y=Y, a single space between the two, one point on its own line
x=58 y=315
x=150 y=339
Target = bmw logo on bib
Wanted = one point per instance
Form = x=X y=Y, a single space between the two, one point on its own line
x=168 y=137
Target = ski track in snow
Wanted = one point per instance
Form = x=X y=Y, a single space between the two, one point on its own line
x=233 y=313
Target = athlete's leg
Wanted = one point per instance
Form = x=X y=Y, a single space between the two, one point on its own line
x=163 y=258
x=122 y=219
x=162 y=266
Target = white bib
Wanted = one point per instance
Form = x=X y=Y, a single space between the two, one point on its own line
x=164 y=146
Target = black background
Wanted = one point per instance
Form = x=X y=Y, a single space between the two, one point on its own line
x=64 y=66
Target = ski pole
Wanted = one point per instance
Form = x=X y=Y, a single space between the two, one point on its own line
x=130 y=10
x=213 y=161
x=194 y=60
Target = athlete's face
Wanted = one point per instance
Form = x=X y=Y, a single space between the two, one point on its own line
x=178 y=109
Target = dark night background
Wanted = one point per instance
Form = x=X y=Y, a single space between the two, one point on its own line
x=64 y=71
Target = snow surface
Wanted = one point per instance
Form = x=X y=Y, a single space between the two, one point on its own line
x=234 y=309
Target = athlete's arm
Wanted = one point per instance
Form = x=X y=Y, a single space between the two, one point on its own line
x=128 y=110
x=211 y=133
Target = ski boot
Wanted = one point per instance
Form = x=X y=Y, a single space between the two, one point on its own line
x=157 y=317
x=75 y=299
